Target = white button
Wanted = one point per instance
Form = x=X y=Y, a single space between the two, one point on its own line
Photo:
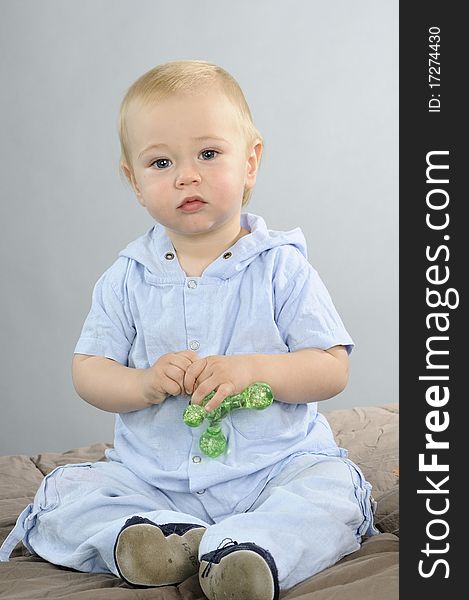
x=196 y=459
x=192 y=284
x=201 y=492
x=194 y=345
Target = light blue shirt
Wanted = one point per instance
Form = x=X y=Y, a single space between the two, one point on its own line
x=260 y=296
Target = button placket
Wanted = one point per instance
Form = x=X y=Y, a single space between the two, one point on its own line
x=192 y=308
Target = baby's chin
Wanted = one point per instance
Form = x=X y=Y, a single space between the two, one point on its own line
x=191 y=228
x=199 y=225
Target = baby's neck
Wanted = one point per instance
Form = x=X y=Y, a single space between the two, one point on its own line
x=195 y=253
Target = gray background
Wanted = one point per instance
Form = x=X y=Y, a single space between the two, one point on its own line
x=321 y=79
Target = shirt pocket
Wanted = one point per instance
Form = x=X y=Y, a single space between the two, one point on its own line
x=277 y=421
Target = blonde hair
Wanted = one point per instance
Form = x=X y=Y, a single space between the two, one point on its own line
x=185 y=76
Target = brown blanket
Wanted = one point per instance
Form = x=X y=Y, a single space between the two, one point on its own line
x=369 y=433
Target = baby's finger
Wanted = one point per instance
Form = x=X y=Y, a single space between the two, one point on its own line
x=189 y=354
x=224 y=390
x=192 y=373
x=203 y=387
x=181 y=361
x=170 y=386
x=176 y=374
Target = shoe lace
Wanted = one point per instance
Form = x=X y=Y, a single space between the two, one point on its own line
x=226 y=543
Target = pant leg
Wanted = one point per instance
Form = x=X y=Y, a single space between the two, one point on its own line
x=79 y=510
x=314 y=512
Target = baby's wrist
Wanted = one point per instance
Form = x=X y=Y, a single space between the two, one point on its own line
x=149 y=393
x=255 y=369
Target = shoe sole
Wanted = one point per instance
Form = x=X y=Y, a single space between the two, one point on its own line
x=242 y=575
x=146 y=557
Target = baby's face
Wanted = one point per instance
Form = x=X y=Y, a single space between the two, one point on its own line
x=190 y=161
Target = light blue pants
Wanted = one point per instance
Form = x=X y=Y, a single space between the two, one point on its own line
x=314 y=512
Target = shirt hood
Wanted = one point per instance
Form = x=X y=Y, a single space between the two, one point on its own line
x=156 y=253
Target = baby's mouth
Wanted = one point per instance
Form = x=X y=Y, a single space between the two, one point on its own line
x=191 y=204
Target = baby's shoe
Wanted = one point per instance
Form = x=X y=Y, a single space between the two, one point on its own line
x=147 y=554
x=240 y=571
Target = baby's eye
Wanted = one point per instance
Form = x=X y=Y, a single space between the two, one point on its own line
x=161 y=163
x=208 y=154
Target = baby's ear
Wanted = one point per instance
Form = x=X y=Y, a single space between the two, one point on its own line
x=254 y=159
x=129 y=174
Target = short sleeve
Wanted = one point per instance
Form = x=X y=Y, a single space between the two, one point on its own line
x=108 y=329
x=305 y=314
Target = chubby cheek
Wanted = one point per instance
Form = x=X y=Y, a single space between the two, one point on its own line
x=151 y=185
x=151 y=191
x=229 y=187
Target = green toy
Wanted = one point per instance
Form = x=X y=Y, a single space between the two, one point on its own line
x=213 y=441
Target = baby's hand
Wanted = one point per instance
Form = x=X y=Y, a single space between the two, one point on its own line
x=166 y=377
x=227 y=375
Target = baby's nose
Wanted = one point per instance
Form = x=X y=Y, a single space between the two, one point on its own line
x=188 y=178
